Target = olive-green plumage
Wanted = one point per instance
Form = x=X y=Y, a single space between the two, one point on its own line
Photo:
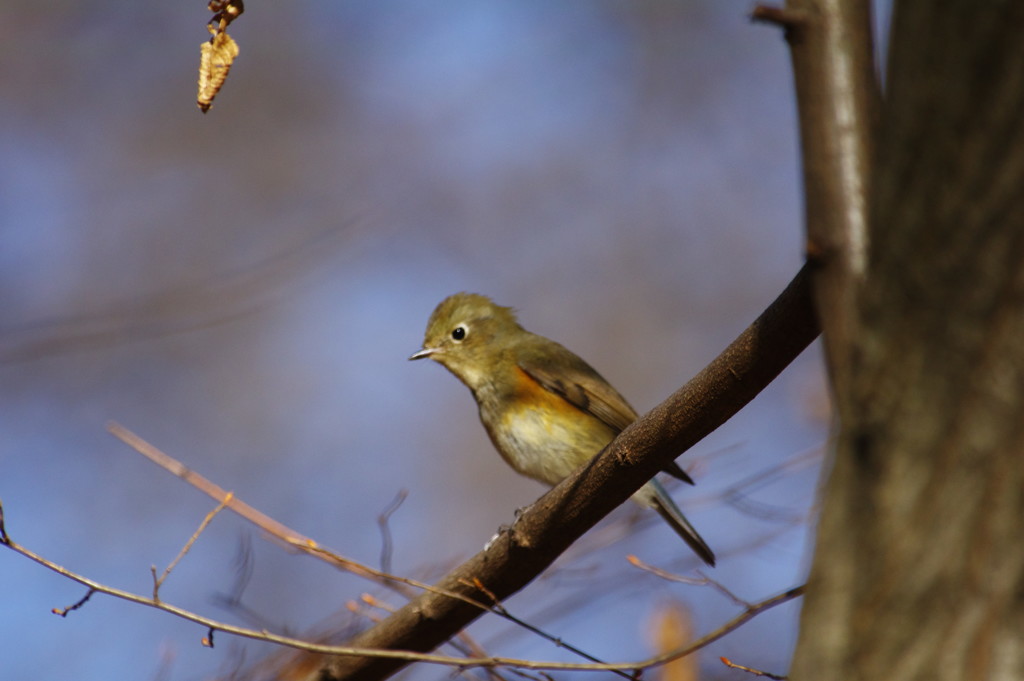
x=546 y=410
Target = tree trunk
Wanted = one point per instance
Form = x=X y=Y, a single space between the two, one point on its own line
x=919 y=566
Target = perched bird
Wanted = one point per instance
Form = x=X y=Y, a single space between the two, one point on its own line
x=546 y=410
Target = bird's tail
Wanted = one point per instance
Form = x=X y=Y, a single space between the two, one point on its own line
x=653 y=494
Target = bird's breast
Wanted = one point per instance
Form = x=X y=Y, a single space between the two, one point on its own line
x=542 y=436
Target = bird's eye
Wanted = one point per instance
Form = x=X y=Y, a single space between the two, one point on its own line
x=458 y=333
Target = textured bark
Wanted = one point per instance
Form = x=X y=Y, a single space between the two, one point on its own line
x=838 y=99
x=919 y=566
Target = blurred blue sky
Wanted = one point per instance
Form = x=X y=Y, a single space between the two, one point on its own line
x=242 y=289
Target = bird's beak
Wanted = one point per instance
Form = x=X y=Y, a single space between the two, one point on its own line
x=422 y=354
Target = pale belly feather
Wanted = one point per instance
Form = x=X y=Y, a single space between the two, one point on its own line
x=544 y=448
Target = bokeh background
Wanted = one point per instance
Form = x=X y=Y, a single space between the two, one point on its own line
x=242 y=289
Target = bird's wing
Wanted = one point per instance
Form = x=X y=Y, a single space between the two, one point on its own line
x=564 y=373
x=560 y=371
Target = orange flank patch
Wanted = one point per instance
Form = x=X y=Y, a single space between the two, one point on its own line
x=532 y=395
x=542 y=435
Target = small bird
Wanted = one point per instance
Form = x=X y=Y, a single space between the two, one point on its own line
x=546 y=410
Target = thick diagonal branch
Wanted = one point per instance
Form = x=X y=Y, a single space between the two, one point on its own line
x=562 y=515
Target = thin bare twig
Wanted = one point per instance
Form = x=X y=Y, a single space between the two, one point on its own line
x=465 y=644
x=750 y=670
x=289 y=537
x=702 y=580
x=387 y=546
x=63 y=612
x=219 y=494
x=748 y=614
x=408 y=656
x=470 y=647
x=158 y=581
x=558 y=642
x=293 y=539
